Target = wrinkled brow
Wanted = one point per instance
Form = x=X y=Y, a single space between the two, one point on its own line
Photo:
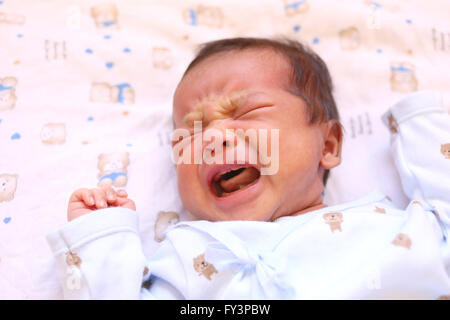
x=215 y=107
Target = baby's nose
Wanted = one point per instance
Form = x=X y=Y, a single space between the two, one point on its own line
x=212 y=146
x=215 y=138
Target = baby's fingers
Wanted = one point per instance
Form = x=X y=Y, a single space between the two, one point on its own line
x=126 y=203
x=110 y=194
x=122 y=193
x=100 y=198
x=87 y=197
x=82 y=195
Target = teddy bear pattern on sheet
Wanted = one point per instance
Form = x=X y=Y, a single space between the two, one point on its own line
x=53 y=133
x=201 y=15
x=163 y=221
x=8 y=93
x=105 y=16
x=162 y=58
x=349 y=38
x=293 y=7
x=113 y=169
x=103 y=92
x=403 y=77
x=12 y=18
x=8 y=186
x=203 y=267
x=334 y=219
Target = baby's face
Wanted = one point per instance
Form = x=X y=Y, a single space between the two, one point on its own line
x=248 y=90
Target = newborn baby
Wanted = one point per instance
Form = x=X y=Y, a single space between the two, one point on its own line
x=262 y=229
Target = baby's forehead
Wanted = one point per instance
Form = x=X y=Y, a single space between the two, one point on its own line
x=271 y=57
x=232 y=77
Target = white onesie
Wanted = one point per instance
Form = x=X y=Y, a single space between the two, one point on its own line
x=364 y=249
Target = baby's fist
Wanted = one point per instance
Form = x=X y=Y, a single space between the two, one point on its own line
x=84 y=201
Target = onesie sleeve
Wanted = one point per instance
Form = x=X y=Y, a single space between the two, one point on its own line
x=420 y=146
x=99 y=255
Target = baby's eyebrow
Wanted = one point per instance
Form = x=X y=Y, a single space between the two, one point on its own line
x=224 y=107
x=195 y=115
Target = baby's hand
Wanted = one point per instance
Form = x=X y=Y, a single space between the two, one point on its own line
x=84 y=201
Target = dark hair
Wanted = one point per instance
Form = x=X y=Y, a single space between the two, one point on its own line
x=310 y=76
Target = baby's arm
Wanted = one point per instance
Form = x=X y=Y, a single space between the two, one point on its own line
x=98 y=253
x=420 y=134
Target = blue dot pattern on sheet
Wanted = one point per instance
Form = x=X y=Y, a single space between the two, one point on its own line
x=109 y=65
x=408 y=21
x=315 y=40
x=1 y=2
x=0 y=120
x=129 y=145
x=15 y=136
x=19 y=35
x=89 y=51
x=297 y=28
x=6 y=220
x=107 y=37
x=127 y=50
x=90 y=119
x=379 y=51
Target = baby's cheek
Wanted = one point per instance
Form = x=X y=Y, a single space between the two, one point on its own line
x=192 y=192
x=298 y=157
x=188 y=182
x=288 y=150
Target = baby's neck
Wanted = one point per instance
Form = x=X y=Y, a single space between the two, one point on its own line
x=312 y=208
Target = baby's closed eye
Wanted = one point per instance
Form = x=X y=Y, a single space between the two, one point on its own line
x=251 y=110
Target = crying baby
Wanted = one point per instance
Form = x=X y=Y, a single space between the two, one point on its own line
x=256 y=133
x=256 y=125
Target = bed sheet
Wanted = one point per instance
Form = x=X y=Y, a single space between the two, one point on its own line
x=86 y=86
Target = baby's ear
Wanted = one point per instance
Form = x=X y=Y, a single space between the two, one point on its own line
x=331 y=153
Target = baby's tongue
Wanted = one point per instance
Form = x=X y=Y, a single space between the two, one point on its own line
x=242 y=179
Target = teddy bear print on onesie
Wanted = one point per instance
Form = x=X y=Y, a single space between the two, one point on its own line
x=402 y=240
x=334 y=219
x=203 y=267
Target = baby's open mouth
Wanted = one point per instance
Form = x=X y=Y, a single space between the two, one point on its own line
x=224 y=184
